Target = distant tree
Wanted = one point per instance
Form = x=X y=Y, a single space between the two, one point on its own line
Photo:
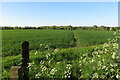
x=40 y=27
x=53 y=27
x=34 y=28
x=7 y=27
x=102 y=27
x=75 y=28
x=112 y=29
x=69 y=27
x=26 y=27
x=16 y=27
x=107 y=28
x=94 y=27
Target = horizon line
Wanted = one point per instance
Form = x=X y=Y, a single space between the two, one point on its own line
x=56 y=25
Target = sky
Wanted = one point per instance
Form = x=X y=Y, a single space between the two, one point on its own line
x=59 y=13
x=59 y=0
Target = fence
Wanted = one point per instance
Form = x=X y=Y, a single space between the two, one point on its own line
x=21 y=72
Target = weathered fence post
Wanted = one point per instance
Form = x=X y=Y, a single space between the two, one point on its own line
x=25 y=60
x=21 y=72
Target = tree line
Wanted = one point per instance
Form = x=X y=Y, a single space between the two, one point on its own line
x=94 y=27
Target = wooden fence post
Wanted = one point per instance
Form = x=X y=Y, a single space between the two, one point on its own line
x=21 y=72
x=25 y=60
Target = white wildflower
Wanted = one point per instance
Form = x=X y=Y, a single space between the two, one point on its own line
x=30 y=64
x=47 y=55
x=38 y=75
x=56 y=50
x=42 y=62
x=95 y=75
x=92 y=60
x=112 y=70
x=103 y=67
x=117 y=76
x=41 y=45
x=115 y=33
x=36 y=52
x=52 y=72
x=113 y=56
x=68 y=71
x=58 y=62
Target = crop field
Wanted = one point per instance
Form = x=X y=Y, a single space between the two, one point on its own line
x=88 y=38
x=63 y=53
x=52 y=38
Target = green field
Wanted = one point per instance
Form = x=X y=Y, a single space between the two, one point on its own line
x=62 y=53
x=53 y=38
x=88 y=38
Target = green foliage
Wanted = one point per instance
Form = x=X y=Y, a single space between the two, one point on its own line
x=94 y=27
x=5 y=74
x=12 y=40
x=48 y=59
x=88 y=38
x=94 y=62
x=8 y=62
x=41 y=39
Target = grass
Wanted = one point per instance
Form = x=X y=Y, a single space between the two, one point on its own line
x=12 y=39
x=92 y=37
x=52 y=50
x=63 y=55
x=84 y=62
x=52 y=38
